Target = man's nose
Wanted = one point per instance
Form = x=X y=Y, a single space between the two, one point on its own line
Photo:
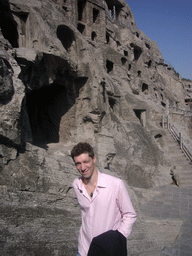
x=83 y=167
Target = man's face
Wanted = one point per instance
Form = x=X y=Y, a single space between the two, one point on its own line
x=85 y=165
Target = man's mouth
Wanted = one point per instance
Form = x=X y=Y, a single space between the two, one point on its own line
x=85 y=171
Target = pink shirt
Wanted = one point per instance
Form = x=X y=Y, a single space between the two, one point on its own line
x=110 y=208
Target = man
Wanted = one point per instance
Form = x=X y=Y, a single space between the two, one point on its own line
x=105 y=205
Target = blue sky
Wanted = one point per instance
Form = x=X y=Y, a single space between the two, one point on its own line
x=169 y=23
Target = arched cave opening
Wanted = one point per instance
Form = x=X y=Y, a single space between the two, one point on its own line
x=66 y=36
x=8 y=25
x=158 y=136
x=112 y=102
x=141 y=115
x=95 y=15
x=118 y=43
x=107 y=37
x=145 y=88
x=81 y=6
x=163 y=104
x=93 y=36
x=123 y=61
x=81 y=28
x=149 y=63
x=147 y=45
x=52 y=112
x=109 y=66
x=136 y=50
x=159 y=139
x=139 y=73
x=45 y=108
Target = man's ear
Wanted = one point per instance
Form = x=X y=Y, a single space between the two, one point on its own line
x=94 y=159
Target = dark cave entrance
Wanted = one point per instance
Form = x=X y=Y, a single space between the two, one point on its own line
x=7 y=24
x=141 y=115
x=81 y=6
x=109 y=66
x=95 y=15
x=45 y=108
x=137 y=51
x=93 y=36
x=66 y=36
x=52 y=110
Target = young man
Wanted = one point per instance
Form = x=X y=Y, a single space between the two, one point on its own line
x=105 y=204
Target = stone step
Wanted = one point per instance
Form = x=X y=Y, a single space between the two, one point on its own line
x=184 y=178
x=171 y=139
x=177 y=155
x=182 y=166
x=185 y=175
x=173 y=151
x=183 y=170
x=185 y=183
x=187 y=179
x=178 y=158
x=181 y=162
x=182 y=173
x=173 y=145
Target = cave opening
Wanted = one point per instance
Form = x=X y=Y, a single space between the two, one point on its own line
x=93 y=36
x=145 y=88
x=112 y=102
x=137 y=51
x=123 y=61
x=139 y=73
x=66 y=36
x=95 y=15
x=141 y=115
x=81 y=28
x=158 y=136
x=109 y=66
x=149 y=63
x=81 y=6
x=8 y=25
x=107 y=37
x=163 y=104
x=45 y=108
x=159 y=139
x=51 y=111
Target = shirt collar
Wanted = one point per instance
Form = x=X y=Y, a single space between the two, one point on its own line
x=101 y=182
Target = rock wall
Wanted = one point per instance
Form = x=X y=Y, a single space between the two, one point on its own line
x=75 y=71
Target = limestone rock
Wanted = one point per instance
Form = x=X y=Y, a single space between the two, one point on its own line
x=75 y=71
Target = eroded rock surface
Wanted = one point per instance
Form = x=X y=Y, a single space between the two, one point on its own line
x=75 y=71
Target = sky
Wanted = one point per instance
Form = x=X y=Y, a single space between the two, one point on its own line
x=169 y=23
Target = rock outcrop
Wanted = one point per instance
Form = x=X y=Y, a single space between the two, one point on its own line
x=75 y=71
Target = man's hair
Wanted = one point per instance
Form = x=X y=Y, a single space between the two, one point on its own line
x=81 y=148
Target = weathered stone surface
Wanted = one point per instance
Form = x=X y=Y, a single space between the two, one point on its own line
x=75 y=71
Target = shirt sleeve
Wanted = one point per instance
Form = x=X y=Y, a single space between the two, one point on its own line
x=128 y=215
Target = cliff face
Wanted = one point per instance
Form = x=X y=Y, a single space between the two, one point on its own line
x=75 y=71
